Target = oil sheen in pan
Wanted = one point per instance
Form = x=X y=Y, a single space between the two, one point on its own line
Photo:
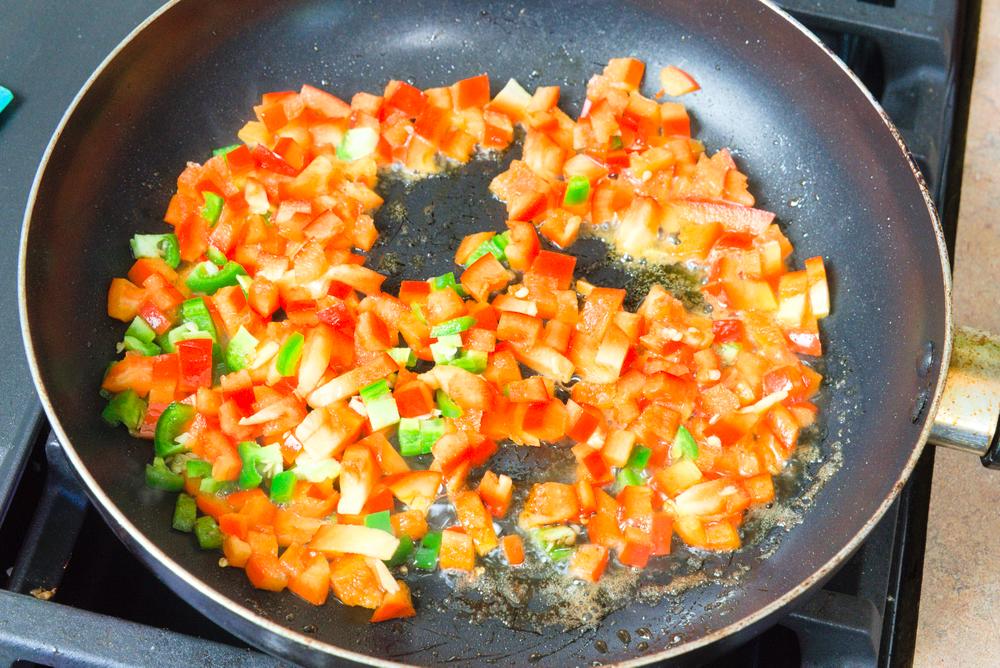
x=420 y=226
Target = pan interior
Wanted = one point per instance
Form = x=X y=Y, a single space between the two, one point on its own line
x=816 y=151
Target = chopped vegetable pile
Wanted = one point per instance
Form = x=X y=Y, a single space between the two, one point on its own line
x=308 y=420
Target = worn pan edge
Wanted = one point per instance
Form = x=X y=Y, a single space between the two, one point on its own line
x=196 y=592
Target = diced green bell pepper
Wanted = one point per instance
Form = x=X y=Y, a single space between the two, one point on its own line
x=417 y=436
x=357 y=143
x=684 y=445
x=172 y=423
x=212 y=208
x=210 y=485
x=241 y=349
x=402 y=551
x=628 y=477
x=577 y=190
x=163 y=246
x=473 y=361
x=283 y=487
x=185 y=513
x=446 y=405
x=223 y=150
x=126 y=408
x=455 y=326
x=426 y=556
x=380 y=520
x=639 y=458
x=158 y=476
x=445 y=281
x=258 y=462
x=289 y=355
x=208 y=278
x=195 y=311
x=208 y=534
x=216 y=256
x=132 y=344
x=382 y=410
x=497 y=245
x=198 y=468
x=140 y=329
x=404 y=356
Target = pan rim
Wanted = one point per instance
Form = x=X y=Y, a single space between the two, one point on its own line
x=193 y=587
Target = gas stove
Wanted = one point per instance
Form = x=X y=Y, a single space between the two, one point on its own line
x=71 y=593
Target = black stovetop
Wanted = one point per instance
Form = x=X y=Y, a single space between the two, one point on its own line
x=915 y=56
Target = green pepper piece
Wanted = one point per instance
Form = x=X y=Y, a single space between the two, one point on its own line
x=454 y=326
x=616 y=143
x=628 y=477
x=283 y=487
x=241 y=349
x=417 y=437
x=426 y=556
x=402 y=552
x=684 y=445
x=289 y=354
x=125 y=408
x=250 y=477
x=198 y=468
x=182 y=332
x=445 y=281
x=357 y=143
x=225 y=149
x=173 y=422
x=210 y=485
x=258 y=462
x=446 y=405
x=208 y=534
x=473 y=361
x=375 y=390
x=185 y=513
x=382 y=411
x=216 y=256
x=497 y=245
x=130 y=343
x=208 y=278
x=195 y=311
x=163 y=246
x=639 y=458
x=403 y=356
x=577 y=190
x=158 y=476
x=380 y=520
x=213 y=207
x=419 y=312
x=140 y=329
x=560 y=553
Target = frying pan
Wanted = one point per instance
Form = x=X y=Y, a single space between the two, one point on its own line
x=818 y=150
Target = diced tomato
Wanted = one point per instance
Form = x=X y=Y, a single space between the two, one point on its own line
x=513 y=549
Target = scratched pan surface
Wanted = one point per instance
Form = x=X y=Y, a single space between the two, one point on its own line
x=817 y=151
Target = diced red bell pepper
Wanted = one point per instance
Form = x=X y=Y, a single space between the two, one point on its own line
x=485 y=276
x=513 y=549
x=588 y=562
x=496 y=492
x=194 y=357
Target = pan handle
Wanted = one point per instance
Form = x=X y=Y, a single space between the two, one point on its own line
x=968 y=416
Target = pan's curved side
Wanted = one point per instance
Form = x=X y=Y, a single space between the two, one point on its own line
x=185 y=79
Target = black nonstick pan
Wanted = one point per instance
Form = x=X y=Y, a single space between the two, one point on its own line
x=819 y=153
